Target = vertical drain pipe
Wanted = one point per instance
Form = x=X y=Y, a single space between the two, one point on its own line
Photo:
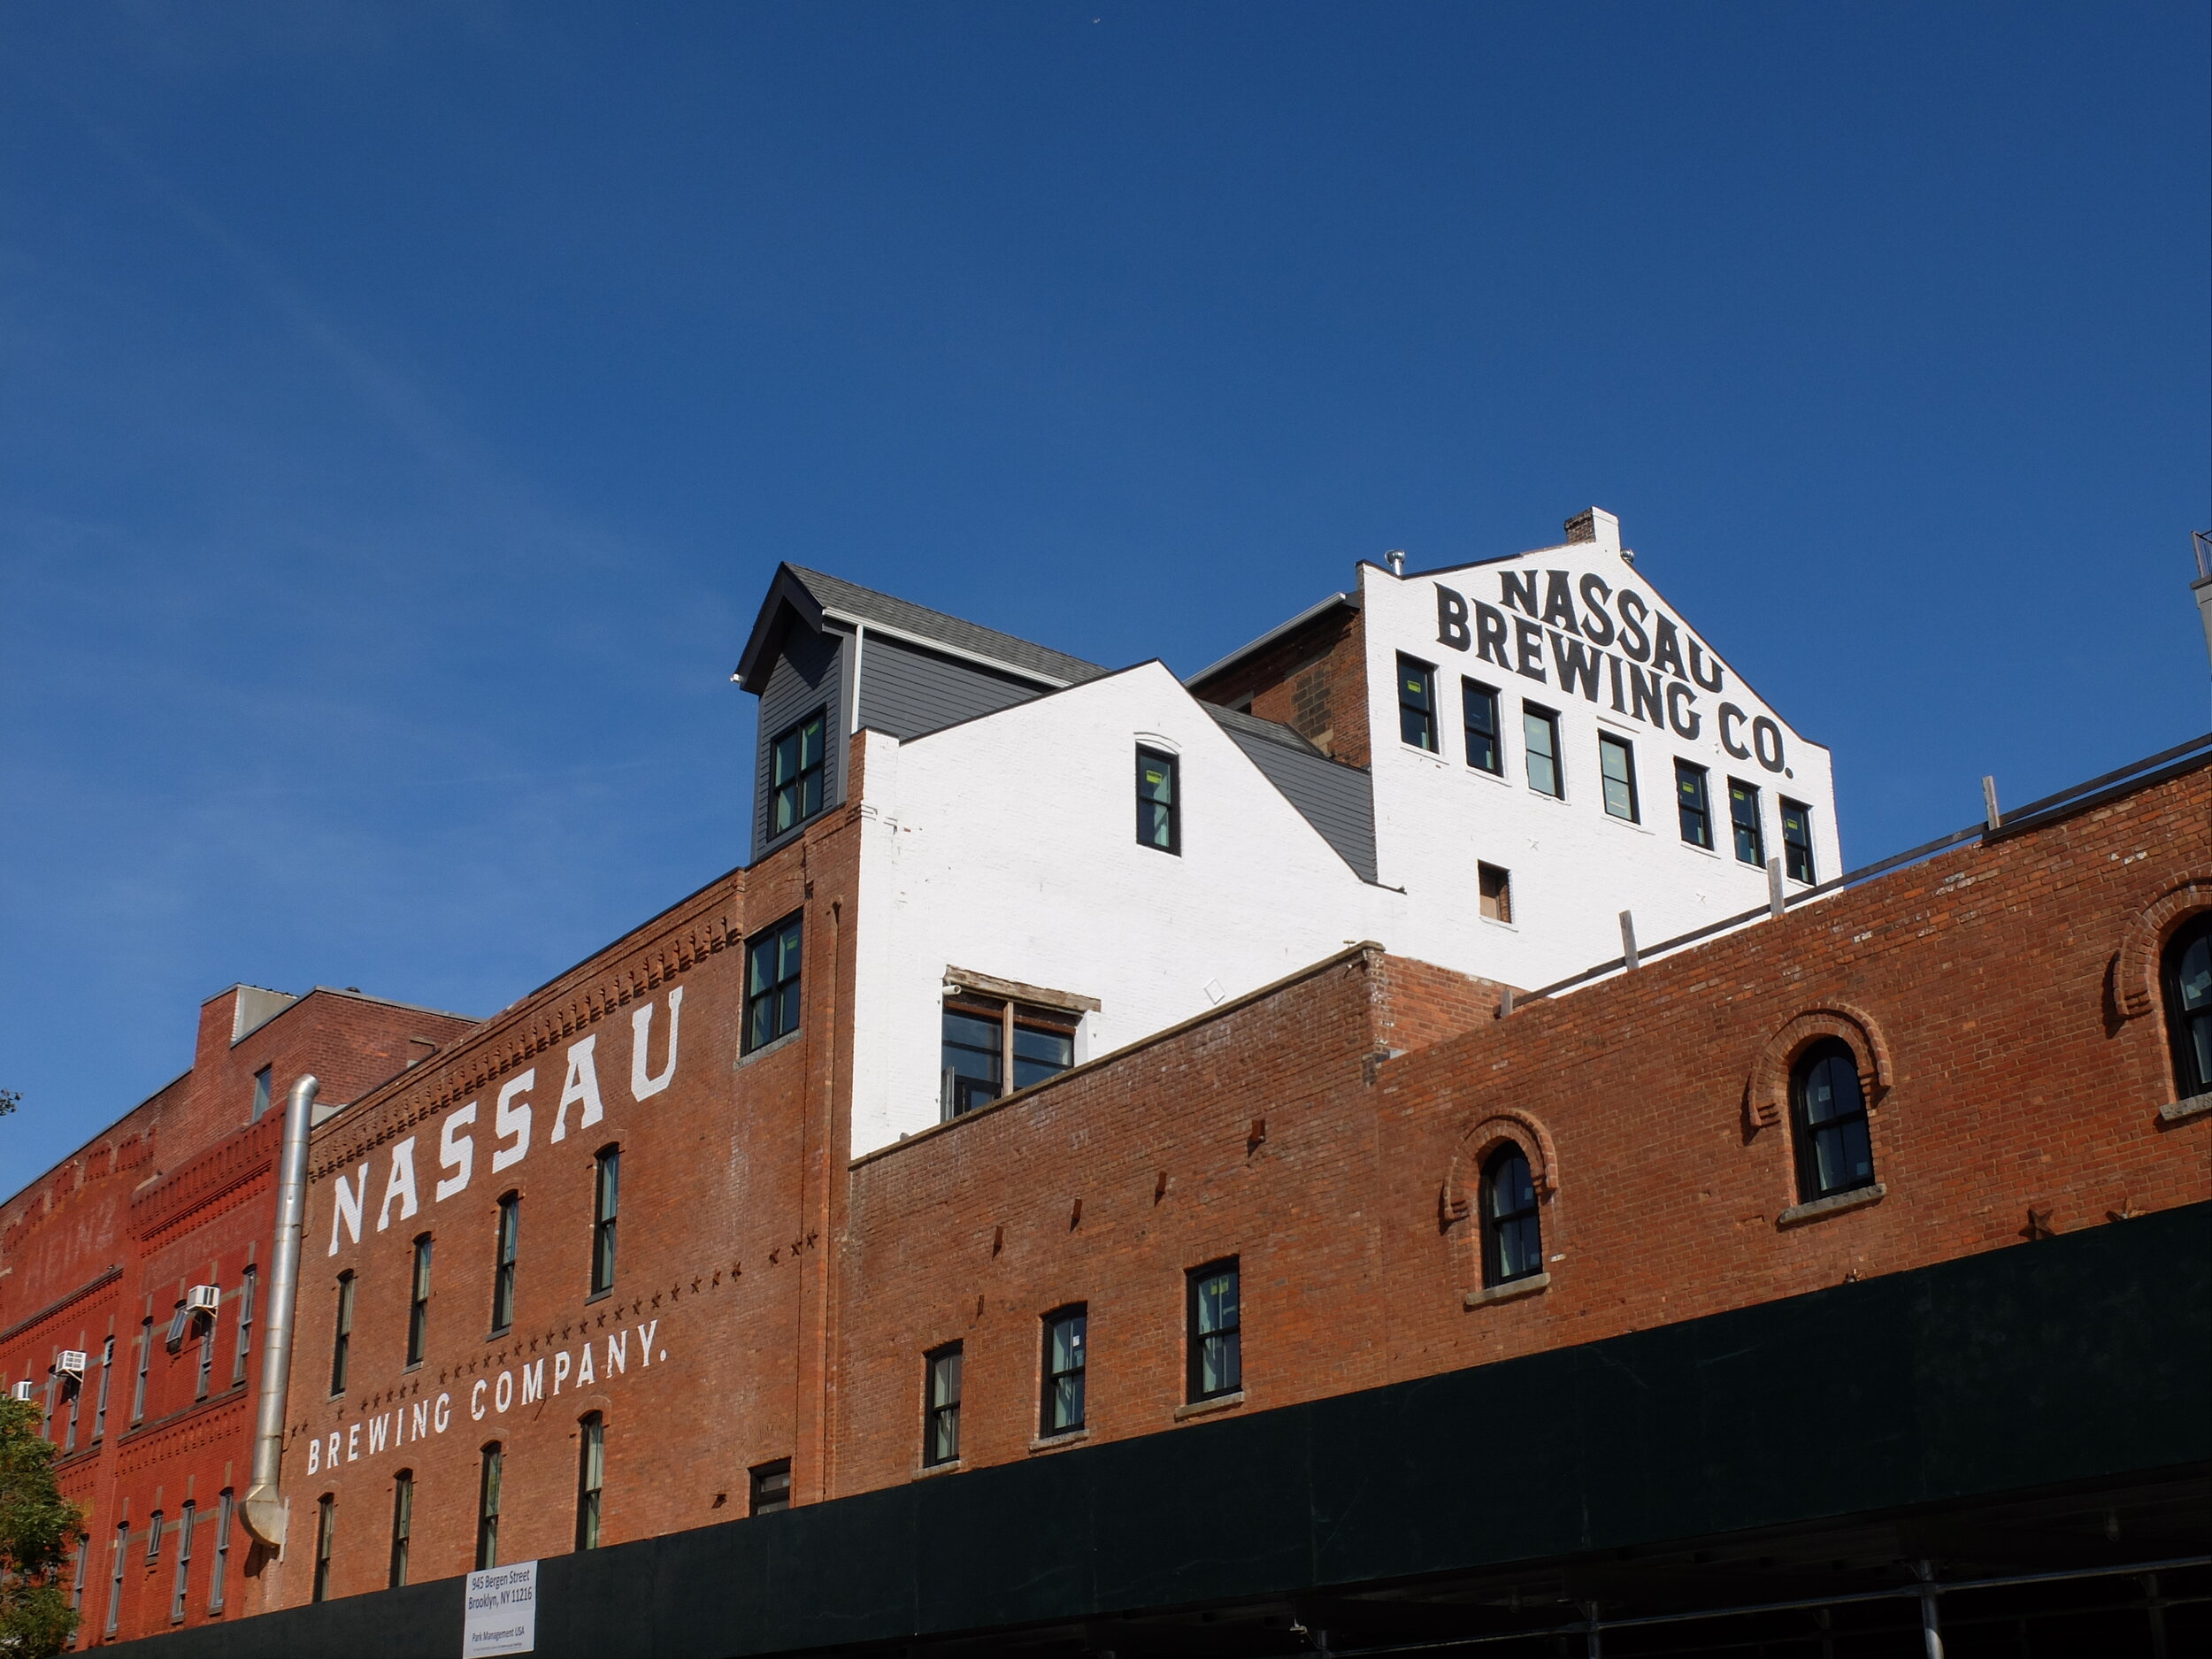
x=264 y=1511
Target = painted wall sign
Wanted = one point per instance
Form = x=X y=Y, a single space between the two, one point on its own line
x=501 y=1612
x=1653 y=672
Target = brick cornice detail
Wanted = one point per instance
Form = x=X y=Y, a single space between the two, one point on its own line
x=2135 y=969
x=570 y=1005
x=1767 y=1090
x=183 y=1193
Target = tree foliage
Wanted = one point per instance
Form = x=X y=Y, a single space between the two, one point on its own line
x=38 y=1528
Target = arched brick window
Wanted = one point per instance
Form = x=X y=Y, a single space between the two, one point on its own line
x=1512 y=1231
x=1835 y=1153
x=2187 y=976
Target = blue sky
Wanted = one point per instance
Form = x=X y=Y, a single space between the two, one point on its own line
x=402 y=408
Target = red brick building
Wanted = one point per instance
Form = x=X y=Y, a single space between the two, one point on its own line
x=99 y=1257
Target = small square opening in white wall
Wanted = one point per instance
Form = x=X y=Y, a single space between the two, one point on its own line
x=1497 y=892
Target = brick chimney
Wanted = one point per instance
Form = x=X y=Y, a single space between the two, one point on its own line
x=1595 y=524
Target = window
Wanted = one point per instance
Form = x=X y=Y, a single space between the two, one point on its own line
x=184 y=1561
x=76 y=1582
x=985 y=1041
x=506 y=1240
x=591 y=1475
x=2188 y=975
x=606 y=1202
x=1512 y=1235
x=224 y=1512
x=772 y=984
x=153 y=1538
x=1797 y=839
x=487 y=1508
x=115 y=1584
x=207 y=1358
x=1416 y=703
x=100 y=1406
x=1833 y=1153
x=795 y=763
x=1486 y=749
x=1743 y=818
x=940 y=1416
x=771 y=1487
x=76 y=1398
x=1496 y=888
x=326 y=1536
x=1539 y=731
x=145 y=1360
x=1616 y=766
x=260 y=1095
x=1690 y=803
x=248 y=1282
x=1063 y=1412
x=1215 y=1341
x=342 y=1333
x=1159 y=808
x=419 y=1302
x=402 y=1527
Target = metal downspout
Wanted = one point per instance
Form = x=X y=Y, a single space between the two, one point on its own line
x=264 y=1511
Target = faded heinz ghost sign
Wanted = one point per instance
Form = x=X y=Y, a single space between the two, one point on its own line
x=1615 y=646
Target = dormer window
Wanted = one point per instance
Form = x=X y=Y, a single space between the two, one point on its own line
x=795 y=773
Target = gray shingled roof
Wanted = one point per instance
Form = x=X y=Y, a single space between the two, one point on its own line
x=834 y=593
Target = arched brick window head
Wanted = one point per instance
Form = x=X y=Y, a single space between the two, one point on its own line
x=1512 y=1231
x=2187 y=974
x=1768 y=1090
x=1828 y=1119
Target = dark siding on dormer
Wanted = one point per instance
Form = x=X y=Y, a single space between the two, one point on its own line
x=809 y=674
x=906 y=692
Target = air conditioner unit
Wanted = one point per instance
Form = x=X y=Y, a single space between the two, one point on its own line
x=204 y=1299
x=72 y=1363
x=23 y=1391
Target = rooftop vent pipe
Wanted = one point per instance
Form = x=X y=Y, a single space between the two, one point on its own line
x=1397 y=557
x=264 y=1511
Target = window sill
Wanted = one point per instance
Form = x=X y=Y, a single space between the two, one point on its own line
x=951 y=1466
x=1512 y=1290
x=1206 y=1408
x=1054 y=1442
x=2182 y=1111
x=599 y=1295
x=1492 y=921
x=767 y=1049
x=1857 y=1198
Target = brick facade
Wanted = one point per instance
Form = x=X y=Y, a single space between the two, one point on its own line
x=1325 y=1132
x=179 y=1192
x=1313 y=679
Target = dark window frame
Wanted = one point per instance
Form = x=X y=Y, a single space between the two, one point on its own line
x=606 y=1212
x=491 y=1475
x=145 y=1364
x=248 y=1291
x=1797 y=848
x=1156 y=812
x=769 y=1486
x=2188 y=1029
x=1062 y=1406
x=1535 y=715
x=1610 y=743
x=774 y=1001
x=591 y=1478
x=941 y=1404
x=342 y=1332
x=1416 y=705
x=1512 y=1222
x=1694 y=803
x=1473 y=694
x=1812 y=1139
x=226 y=1511
x=804 y=791
x=1220 y=1346
x=187 y=1518
x=1746 y=817
x=1009 y=1069
x=326 y=1543
x=506 y=1257
x=418 y=1266
x=100 y=1407
x=403 y=1528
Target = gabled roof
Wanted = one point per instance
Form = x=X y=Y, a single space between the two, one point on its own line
x=816 y=597
x=1282 y=630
